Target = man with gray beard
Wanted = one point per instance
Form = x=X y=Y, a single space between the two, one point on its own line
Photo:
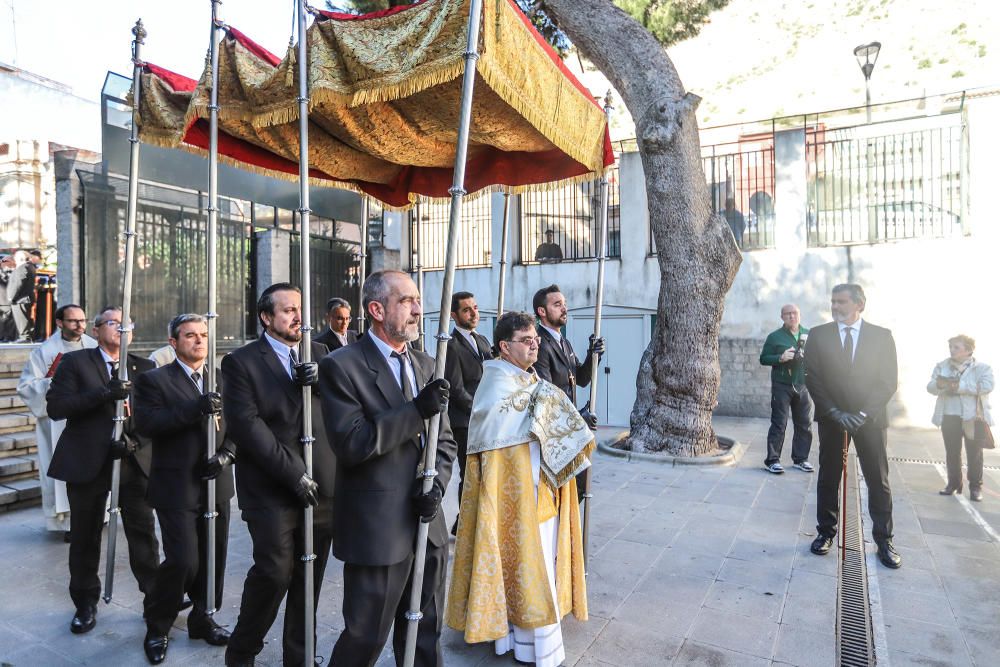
x=377 y=397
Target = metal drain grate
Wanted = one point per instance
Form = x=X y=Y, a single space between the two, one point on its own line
x=855 y=646
x=930 y=462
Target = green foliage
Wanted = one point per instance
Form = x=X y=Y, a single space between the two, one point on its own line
x=669 y=21
x=924 y=64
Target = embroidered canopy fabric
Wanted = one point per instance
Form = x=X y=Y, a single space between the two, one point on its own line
x=385 y=93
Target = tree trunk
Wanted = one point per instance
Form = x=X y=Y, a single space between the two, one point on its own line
x=678 y=382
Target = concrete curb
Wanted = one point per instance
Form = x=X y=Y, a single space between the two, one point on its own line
x=732 y=457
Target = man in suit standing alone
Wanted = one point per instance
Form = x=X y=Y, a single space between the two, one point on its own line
x=173 y=409
x=467 y=350
x=338 y=319
x=851 y=374
x=376 y=415
x=84 y=391
x=262 y=403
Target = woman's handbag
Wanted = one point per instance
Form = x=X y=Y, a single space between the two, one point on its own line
x=983 y=436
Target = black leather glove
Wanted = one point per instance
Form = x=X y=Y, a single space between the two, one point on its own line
x=854 y=421
x=210 y=403
x=426 y=505
x=122 y=447
x=589 y=417
x=433 y=398
x=118 y=390
x=213 y=465
x=306 y=374
x=596 y=345
x=308 y=491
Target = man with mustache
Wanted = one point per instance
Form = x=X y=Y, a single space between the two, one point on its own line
x=262 y=406
x=851 y=375
x=376 y=414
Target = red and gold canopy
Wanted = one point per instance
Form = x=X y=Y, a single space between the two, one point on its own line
x=385 y=92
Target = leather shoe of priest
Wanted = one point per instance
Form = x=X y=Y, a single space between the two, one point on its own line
x=85 y=620
x=821 y=545
x=209 y=630
x=888 y=555
x=155 y=648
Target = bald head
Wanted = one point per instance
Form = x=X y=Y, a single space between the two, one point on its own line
x=790 y=317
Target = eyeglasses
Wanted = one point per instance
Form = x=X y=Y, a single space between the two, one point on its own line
x=530 y=342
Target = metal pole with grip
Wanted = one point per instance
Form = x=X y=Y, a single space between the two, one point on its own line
x=503 y=254
x=306 y=350
x=602 y=252
x=125 y=326
x=213 y=241
x=457 y=191
x=362 y=263
x=419 y=267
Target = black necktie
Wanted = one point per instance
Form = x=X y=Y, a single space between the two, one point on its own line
x=483 y=347
x=113 y=369
x=293 y=360
x=567 y=350
x=848 y=346
x=404 y=375
x=196 y=378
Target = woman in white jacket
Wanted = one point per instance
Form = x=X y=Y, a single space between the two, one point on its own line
x=962 y=386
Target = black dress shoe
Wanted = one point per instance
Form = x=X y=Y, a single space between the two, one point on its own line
x=976 y=495
x=888 y=556
x=206 y=628
x=950 y=490
x=821 y=545
x=85 y=620
x=155 y=648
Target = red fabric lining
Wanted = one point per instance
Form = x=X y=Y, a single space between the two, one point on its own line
x=340 y=16
x=254 y=48
x=177 y=82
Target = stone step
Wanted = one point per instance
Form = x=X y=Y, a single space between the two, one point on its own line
x=11 y=443
x=12 y=422
x=20 y=493
x=11 y=402
x=16 y=466
x=8 y=386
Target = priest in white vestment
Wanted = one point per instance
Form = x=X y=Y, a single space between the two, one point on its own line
x=518 y=566
x=71 y=323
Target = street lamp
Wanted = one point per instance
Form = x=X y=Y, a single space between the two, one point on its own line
x=867 y=54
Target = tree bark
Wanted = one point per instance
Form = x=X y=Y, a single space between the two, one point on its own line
x=678 y=382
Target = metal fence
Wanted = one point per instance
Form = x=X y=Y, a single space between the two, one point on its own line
x=562 y=225
x=475 y=239
x=170 y=271
x=334 y=264
x=741 y=185
x=869 y=189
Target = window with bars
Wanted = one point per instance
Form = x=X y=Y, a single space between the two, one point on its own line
x=563 y=224
x=431 y=238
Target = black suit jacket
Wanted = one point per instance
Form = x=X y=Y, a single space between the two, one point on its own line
x=263 y=410
x=167 y=412
x=76 y=395
x=556 y=366
x=464 y=369
x=21 y=285
x=330 y=340
x=864 y=386
x=376 y=435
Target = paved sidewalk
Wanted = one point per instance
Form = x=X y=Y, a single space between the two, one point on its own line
x=690 y=566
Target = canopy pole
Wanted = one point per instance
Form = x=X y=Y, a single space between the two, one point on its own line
x=305 y=354
x=125 y=326
x=213 y=241
x=503 y=254
x=363 y=263
x=602 y=251
x=419 y=267
x=457 y=191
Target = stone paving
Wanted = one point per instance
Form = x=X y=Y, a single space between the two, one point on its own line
x=690 y=565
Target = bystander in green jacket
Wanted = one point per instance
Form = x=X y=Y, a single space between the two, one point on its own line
x=792 y=372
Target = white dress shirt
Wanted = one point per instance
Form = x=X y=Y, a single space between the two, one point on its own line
x=393 y=362
x=284 y=352
x=855 y=332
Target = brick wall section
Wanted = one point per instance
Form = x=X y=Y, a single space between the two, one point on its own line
x=746 y=385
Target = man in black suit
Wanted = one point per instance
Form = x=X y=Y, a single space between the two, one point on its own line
x=851 y=375
x=173 y=409
x=556 y=361
x=83 y=392
x=376 y=416
x=21 y=290
x=338 y=319
x=262 y=403
x=467 y=350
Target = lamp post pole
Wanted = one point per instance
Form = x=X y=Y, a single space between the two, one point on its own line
x=866 y=55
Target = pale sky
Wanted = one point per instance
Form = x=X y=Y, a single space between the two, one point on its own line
x=76 y=42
